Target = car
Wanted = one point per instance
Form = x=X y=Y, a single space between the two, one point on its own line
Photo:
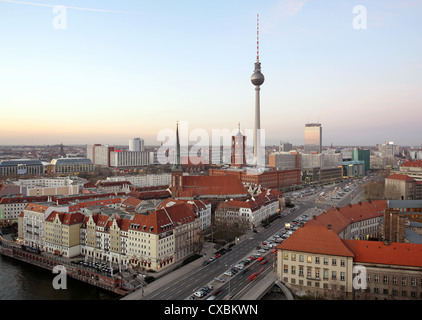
x=260 y=259
x=211 y=259
x=206 y=262
x=239 y=266
x=263 y=262
x=220 y=279
x=199 y=294
x=228 y=273
x=217 y=255
x=261 y=250
x=252 y=276
x=205 y=289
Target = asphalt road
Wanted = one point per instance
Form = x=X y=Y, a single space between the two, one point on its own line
x=183 y=287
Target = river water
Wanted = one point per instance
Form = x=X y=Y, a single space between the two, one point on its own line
x=22 y=281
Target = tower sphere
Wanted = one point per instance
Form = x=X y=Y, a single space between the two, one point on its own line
x=257 y=78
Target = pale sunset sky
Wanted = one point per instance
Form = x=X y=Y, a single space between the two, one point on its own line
x=84 y=72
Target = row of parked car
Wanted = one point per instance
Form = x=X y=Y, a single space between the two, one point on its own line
x=203 y=291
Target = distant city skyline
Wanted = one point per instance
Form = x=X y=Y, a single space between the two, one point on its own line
x=106 y=72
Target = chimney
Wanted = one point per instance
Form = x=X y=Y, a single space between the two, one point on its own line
x=329 y=227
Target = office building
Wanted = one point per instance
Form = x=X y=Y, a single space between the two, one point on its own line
x=21 y=167
x=362 y=155
x=285 y=146
x=70 y=166
x=136 y=144
x=313 y=138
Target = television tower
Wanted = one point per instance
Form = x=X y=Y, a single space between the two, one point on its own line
x=257 y=79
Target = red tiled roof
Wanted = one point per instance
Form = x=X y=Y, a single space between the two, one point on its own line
x=163 y=219
x=157 y=194
x=67 y=218
x=131 y=202
x=112 y=183
x=213 y=185
x=316 y=239
x=402 y=254
x=36 y=207
x=400 y=177
x=195 y=205
x=415 y=163
x=340 y=218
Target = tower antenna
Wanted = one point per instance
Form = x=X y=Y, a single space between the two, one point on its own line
x=257 y=37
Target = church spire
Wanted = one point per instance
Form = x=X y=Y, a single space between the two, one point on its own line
x=176 y=165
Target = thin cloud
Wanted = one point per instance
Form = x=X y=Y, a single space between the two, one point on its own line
x=69 y=7
x=282 y=11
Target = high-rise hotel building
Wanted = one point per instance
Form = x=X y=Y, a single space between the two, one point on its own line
x=313 y=138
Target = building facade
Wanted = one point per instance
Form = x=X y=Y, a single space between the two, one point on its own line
x=313 y=138
x=62 y=233
x=72 y=166
x=316 y=263
x=21 y=167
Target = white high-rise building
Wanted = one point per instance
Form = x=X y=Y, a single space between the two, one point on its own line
x=136 y=144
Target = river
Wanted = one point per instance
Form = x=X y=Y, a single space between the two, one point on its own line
x=22 y=281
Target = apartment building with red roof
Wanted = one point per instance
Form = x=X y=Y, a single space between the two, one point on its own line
x=355 y=221
x=62 y=233
x=250 y=213
x=202 y=208
x=214 y=189
x=316 y=262
x=153 y=240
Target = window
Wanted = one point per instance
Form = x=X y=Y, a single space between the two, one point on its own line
x=293 y=257
x=342 y=263
x=300 y=270
x=333 y=275
x=376 y=278
x=317 y=260
x=293 y=269
x=385 y=280
x=326 y=261
x=301 y=258
x=334 y=262
x=413 y=282
x=309 y=259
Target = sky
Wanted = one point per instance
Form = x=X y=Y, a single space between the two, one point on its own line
x=85 y=72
